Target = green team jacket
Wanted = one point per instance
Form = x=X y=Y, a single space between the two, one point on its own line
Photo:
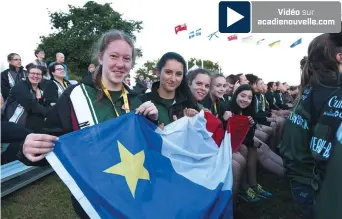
x=329 y=201
x=312 y=156
x=298 y=158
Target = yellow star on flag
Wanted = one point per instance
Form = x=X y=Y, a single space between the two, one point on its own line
x=131 y=167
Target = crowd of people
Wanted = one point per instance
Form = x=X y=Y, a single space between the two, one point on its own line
x=292 y=128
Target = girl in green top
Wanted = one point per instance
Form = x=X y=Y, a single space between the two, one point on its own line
x=171 y=94
x=92 y=101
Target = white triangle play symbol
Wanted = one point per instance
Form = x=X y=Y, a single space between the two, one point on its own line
x=233 y=17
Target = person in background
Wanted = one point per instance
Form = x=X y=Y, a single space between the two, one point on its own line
x=127 y=81
x=279 y=96
x=231 y=80
x=27 y=106
x=59 y=83
x=242 y=79
x=60 y=60
x=148 y=83
x=214 y=101
x=91 y=70
x=292 y=94
x=27 y=103
x=14 y=74
x=39 y=61
x=242 y=103
x=140 y=86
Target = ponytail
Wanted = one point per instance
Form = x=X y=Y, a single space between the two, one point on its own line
x=97 y=82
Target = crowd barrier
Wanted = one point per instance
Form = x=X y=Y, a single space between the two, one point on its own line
x=15 y=175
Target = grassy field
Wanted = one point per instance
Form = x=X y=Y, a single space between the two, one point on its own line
x=49 y=198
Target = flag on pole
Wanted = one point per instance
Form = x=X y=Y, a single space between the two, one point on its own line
x=260 y=41
x=210 y=36
x=181 y=27
x=128 y=167
x=232 y=37
x=196 y=33
x=276 y=43
x=296 y=43
x=248 y=39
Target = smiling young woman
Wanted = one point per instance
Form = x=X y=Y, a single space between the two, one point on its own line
x=94 y=100
x=171 y=94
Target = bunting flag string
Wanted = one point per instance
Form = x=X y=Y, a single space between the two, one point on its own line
x=233 y=37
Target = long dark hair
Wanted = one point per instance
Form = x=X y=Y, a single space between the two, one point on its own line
x=183 y=88
x=236 y=109
x=321 y=66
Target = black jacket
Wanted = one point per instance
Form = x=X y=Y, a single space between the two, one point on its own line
x=280 y=100
x=9 y=78
x=140 y=87
x=13 y=134
x=54 y=88
x=35 y=111
x=271 y=100
x=260 y=107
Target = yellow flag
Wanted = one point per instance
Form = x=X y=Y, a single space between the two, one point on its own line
x=276 y=43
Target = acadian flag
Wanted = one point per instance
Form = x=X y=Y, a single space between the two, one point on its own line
x=299 y=41
x=276 y=43
x=129 y=168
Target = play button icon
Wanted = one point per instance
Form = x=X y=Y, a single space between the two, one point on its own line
x=234 y=17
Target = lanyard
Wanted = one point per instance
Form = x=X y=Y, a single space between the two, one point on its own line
x=215 y=108
x=64 y=84
x=263 y=102
x=257 y=104
x=124 y=95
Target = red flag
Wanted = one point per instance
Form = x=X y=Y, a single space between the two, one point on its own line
x=215 y=126
x=232 y=37
x=238 y=127
x=180 y=28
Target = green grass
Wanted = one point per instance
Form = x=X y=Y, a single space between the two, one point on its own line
x=45 y=198
x=49 y=198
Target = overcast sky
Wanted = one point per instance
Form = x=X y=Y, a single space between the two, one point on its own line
x=159 y=19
